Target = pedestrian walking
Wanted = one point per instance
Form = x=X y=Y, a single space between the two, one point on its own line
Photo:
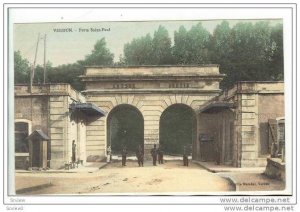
x=73 y=152
x=108 y=157
x=140 y=155
x=185 y=157
x=154 y=154
x=160 y=155
x=124 y=155
x=217 y=154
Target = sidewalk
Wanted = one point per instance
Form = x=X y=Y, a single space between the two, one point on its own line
x=244 y=179
x=89 y=167
x=212 y=167
x=37 y=183
x=252 y=181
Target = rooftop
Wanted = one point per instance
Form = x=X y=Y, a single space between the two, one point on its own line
x=145 y=72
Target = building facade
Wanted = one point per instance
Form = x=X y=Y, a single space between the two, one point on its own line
x=237 y=121
x=146 y=96
x=46 y=108
x=150 y=90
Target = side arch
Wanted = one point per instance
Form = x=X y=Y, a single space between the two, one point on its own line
x=178 y=129
x=125 y=128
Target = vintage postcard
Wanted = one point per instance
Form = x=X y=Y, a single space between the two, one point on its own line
x=184 y=107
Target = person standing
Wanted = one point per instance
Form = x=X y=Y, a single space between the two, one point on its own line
x=154 y=154
x=185 y=157
x=160 y=155
x=217 y=154
x=140 y=155
x=124 y=155
x=73 y=152
x=108 y=157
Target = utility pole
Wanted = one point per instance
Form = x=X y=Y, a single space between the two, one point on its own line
x=45 y=59
x=33 y=66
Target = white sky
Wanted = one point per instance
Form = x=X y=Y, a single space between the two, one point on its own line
x=68 y=47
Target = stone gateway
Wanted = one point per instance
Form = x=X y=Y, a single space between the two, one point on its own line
x=145 y=105
x=148 y=90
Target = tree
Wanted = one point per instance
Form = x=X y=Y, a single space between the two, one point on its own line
x=139 y=51
x=180 y=49
x=198 y=45
x=192 y=47
x=251 y=49
x=21 y=69
x=276 y=59
x=221 y=50
x=39 y=73
x=68 y=73
x=148 y=51
x=221 y=43
x=162 y=53
x=100 y=55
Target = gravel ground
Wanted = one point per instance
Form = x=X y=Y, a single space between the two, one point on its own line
x=169 y=178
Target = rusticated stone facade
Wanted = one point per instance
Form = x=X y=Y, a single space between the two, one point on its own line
x=47 y=108
x=241 y=130
x=151 y=90
x=230 y=126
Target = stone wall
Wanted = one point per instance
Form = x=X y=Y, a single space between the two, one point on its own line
x=254 y=103
x=47 y=108
x=151 y=107
x=257 y=102
x=151 y=90
x=270 y=106
x=219 y=128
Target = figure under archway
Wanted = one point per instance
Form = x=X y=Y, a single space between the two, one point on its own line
x=177 y=128
x=125 y=127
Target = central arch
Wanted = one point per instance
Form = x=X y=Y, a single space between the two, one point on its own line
x=177 y=128
x=125 y=127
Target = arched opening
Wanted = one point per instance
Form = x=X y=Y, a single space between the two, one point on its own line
x=125 y=127
x=217 y=136
x=21 y=133
x=177 y=128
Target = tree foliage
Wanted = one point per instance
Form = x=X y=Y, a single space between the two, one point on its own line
x=66 y=73
x=198 y=39
x=139 y=51
x=276 y=58
x=100 y=56
x=180 y=49
x=22 y=68
x=161 y=47
x=245 y=51
x=148 y=51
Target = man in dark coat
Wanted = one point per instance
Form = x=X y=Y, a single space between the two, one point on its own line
x=185 y=156
x=217 y=153
x=140 y=155
x=73 y=152
x=154 y=155
x=124 y=154
x=160 y=155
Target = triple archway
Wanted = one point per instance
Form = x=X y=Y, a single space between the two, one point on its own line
x=125 y=127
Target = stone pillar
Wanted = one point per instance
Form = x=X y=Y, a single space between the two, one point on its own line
x=151 y=134
x=58 y=105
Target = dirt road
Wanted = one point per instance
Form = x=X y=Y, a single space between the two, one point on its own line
x=113 y=179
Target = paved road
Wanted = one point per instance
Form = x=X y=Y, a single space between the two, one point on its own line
x=168 y=178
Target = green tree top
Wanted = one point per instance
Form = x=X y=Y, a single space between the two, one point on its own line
x=162 y=54
x=22 y=68
x=100 y=55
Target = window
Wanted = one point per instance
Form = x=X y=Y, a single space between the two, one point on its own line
x=21 y=133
